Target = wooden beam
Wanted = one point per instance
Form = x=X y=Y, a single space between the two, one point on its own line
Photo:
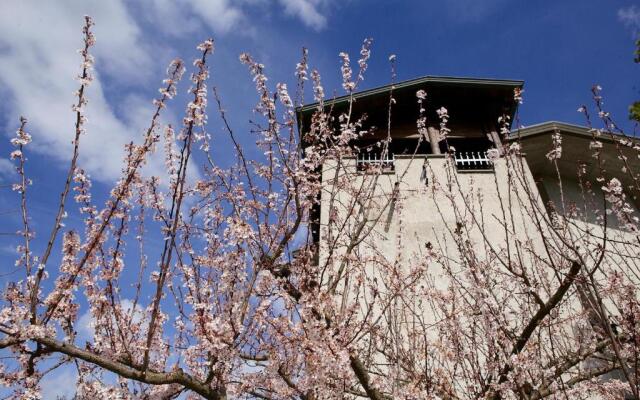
x=433 y=140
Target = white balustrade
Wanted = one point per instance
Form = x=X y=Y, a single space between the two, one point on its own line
x=370 y=160
x=470 y=160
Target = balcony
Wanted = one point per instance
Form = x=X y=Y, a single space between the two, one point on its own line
x=372 y=162
x=473 y=161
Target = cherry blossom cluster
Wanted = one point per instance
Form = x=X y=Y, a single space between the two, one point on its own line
x=556 y=151
x=214 y=284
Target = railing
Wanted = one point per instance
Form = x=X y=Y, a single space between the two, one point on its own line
x=473 y=160
x=371 y=161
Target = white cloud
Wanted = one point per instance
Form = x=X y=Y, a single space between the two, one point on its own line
x=307 y=11
x=630 y=17
x=9 y=249
x=59 y=384
x=227 y=16
x=169 y=15
x=85 y=327
x=219 y=15
x=86 y=324
x=39 y=62
x=7 y=171
x=180 y=17
x=38 y=59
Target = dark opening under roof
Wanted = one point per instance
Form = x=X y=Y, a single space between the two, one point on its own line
x=416 y=83
x=469 y=100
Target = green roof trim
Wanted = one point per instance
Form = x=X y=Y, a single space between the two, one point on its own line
x=546 y=127
x=474 y=82
x=564 y=127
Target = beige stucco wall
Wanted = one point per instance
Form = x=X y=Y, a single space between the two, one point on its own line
x=496 y=210
x=586 y=212
x=423 y=213
x=432 y=200
x=424 y=216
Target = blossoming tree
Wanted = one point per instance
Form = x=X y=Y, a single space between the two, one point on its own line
x=239 y=303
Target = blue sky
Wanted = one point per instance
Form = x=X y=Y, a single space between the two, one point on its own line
x=559 y=48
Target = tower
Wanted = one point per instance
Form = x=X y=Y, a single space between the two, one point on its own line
x=449 y=244
x=398 y=145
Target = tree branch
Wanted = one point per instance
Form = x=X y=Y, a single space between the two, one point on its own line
x=154 y=378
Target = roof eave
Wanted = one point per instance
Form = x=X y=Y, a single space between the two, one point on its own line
x=472 y=82
x=566 y=128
